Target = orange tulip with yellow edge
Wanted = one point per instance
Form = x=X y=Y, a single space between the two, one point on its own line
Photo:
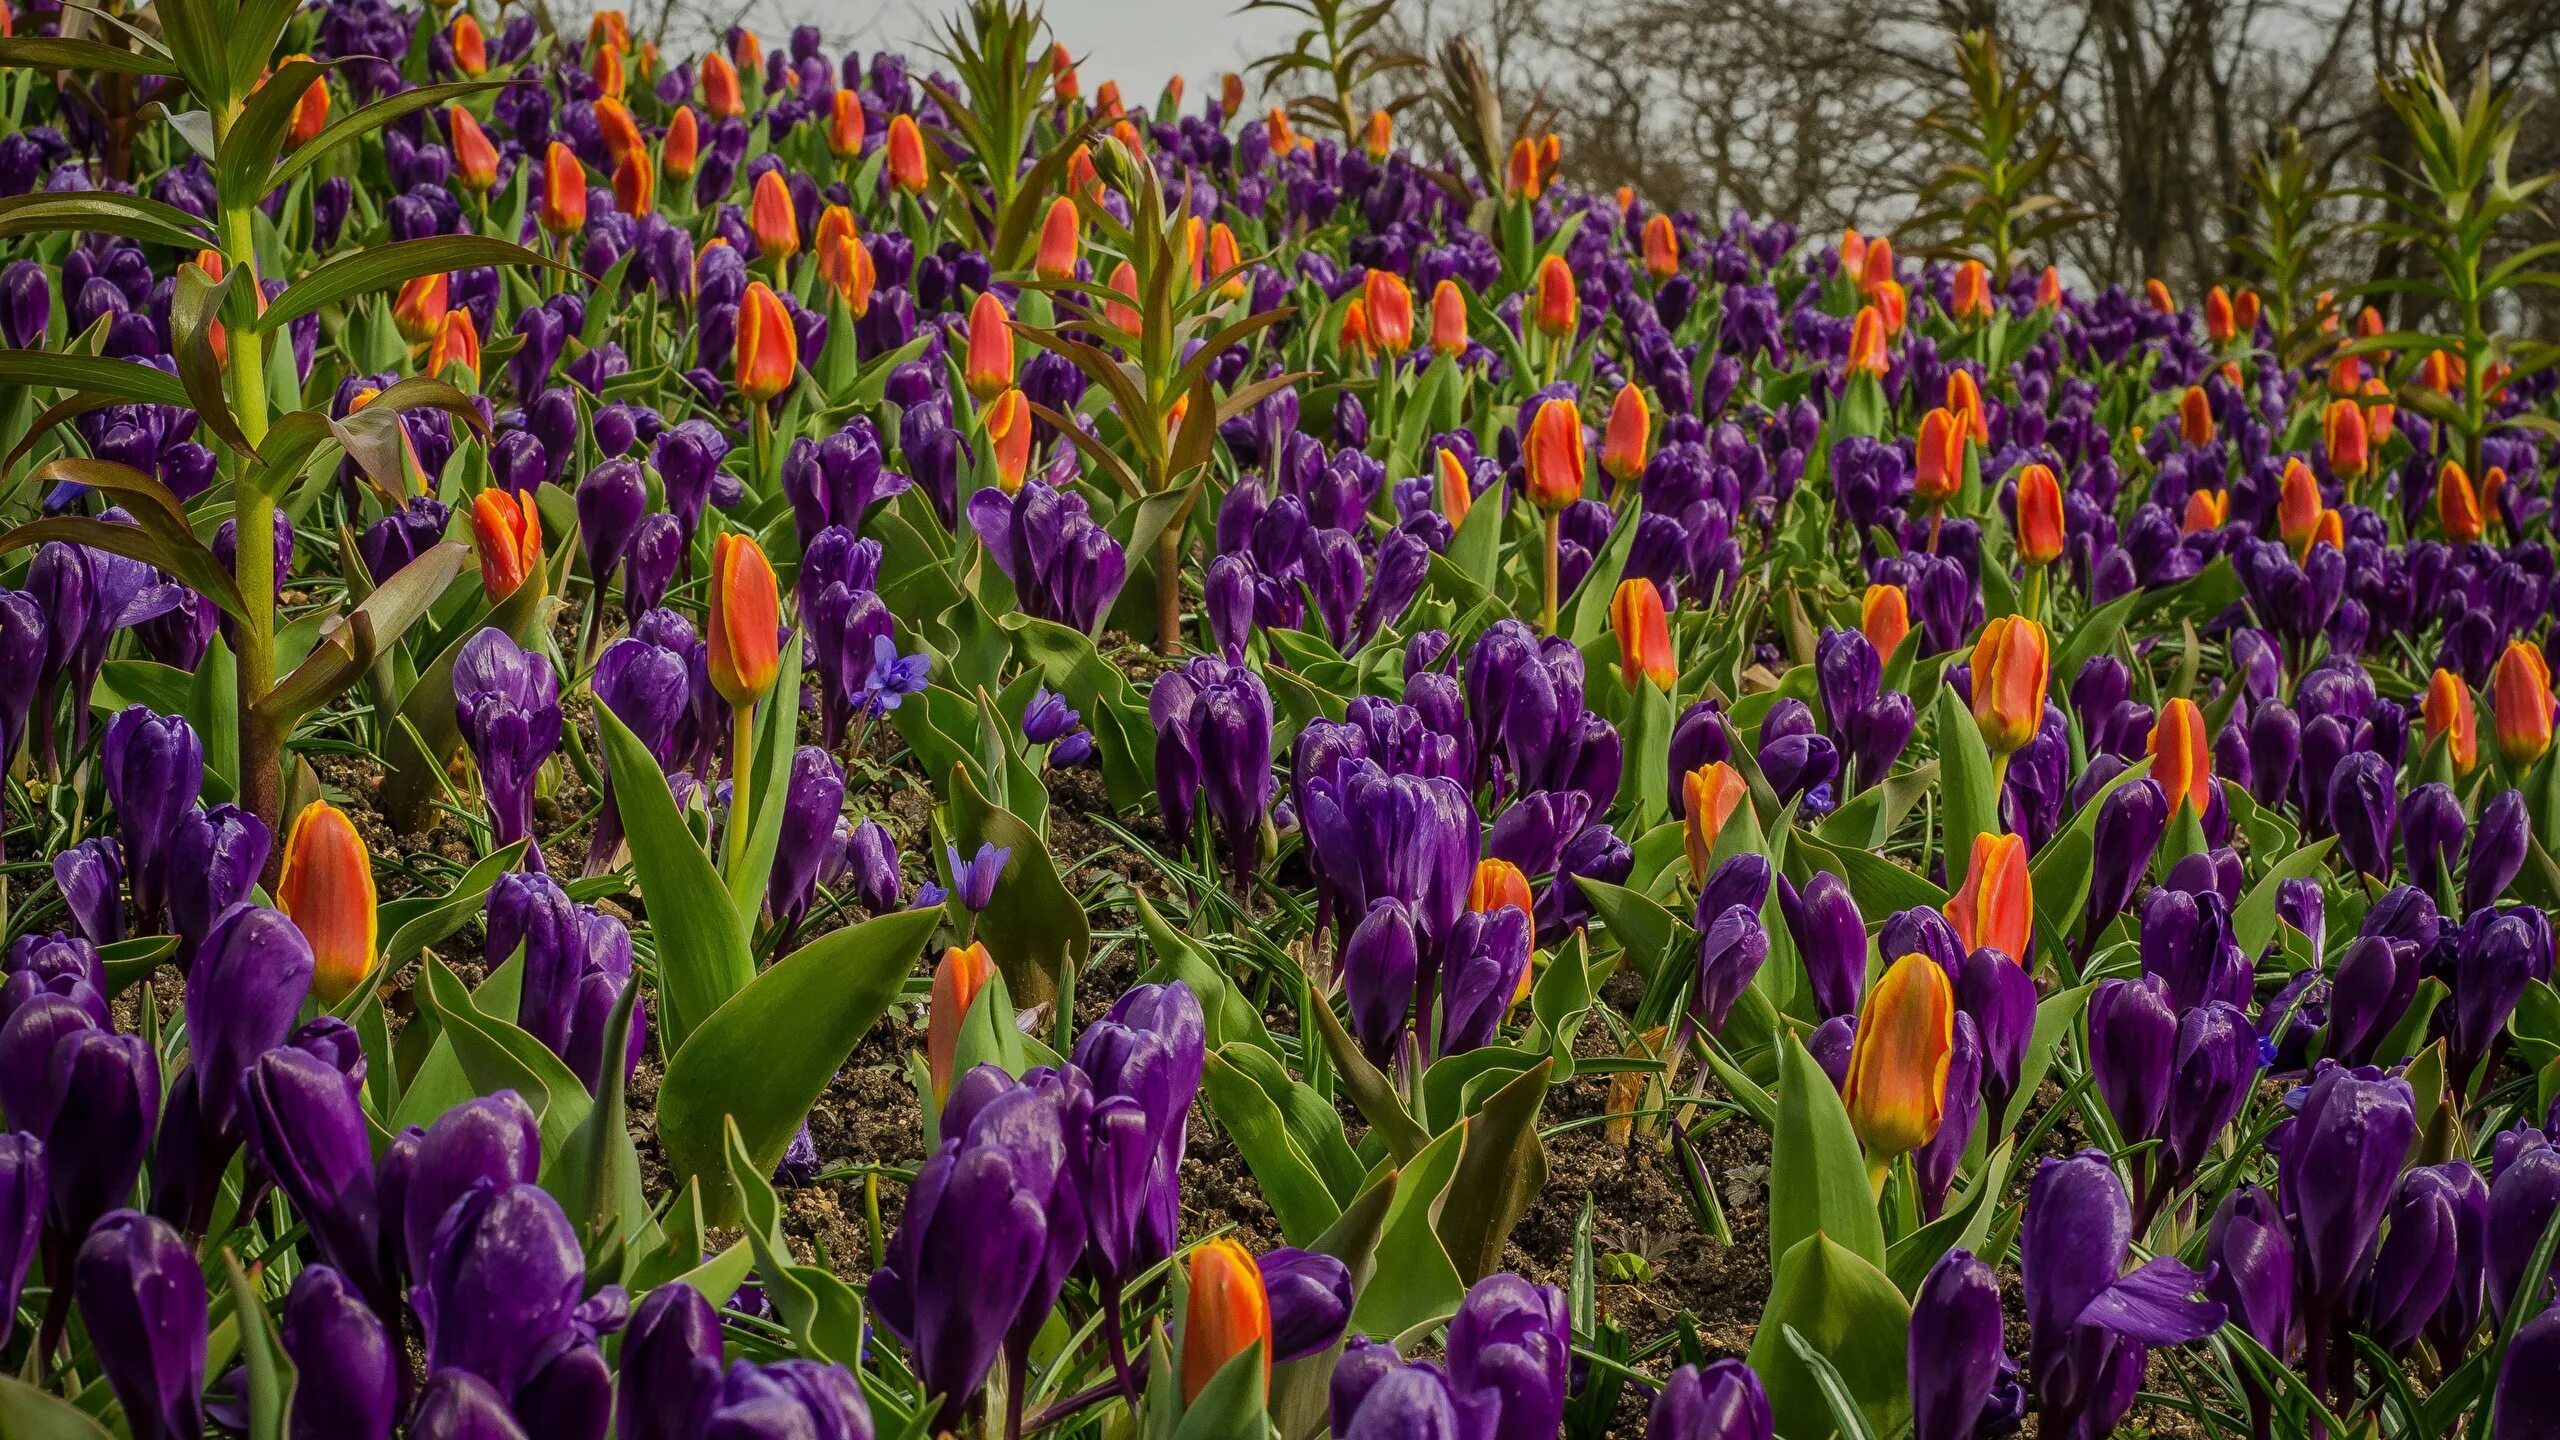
x=470 y=46
x=605 y=68
x=1390 y=310
x=745 y=618
x=774 y=219
x=509 y=535
x=2450 y=715
x=2346 y=437
x=2157 y=294
x=2009 y=666
x=1661 y=248
x=1554 y=455
x=2520 y=701
x=635 y=184
x=1876 y=266
x=1866 y=342
x=1353 y=338
x=1970 y=294
x=1008 y=422
x=845 y=122
x=989 y=370
x=1884 y=617
x=1939 y=467
x=1061 y=234
x=2245 y=310
x=1225 y=260
x=564 y=191
x=1498 y=883
x=1644 y=635
x=1995 y=907
x=1124 y=316
x=1853 y=253
x=845 y=263
x=2039 y=515
x=681 y=151
x=1627 y=444
x=2195 y=416
x=2330 y=530
x=1448 y=319
x=2458 y=505
x=2298 y=504
x=1894 y=305
x=2220 y=325
x=457 y=342
x=1964 y=399
x=1896 y=1088
x=2181 y=757
x=418 y=310
x=311 y=113
x=1382 y=134
x=957 y=978
x=1708 y=797
x=1229 y=1314
x=1457 y=488
x=2049 y=288
x=768 y=346
x=906 y=154
x=2206 y=510
x=1231 y=94
x=1559 y=304
x=326 y=889
x=720 y=87
x=621 y=133
x=1521 y=180
x=475 y=159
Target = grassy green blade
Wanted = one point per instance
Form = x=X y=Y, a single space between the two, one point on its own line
x=132 y=216
x=119 y=379
x=1369 y=1089
x=27 y=1413
x=702 y=949
x=1845 y=1412
x=599 y=1172
x=777 y=721
x=1817 y=1173
x=271 y=1374
x=765 y=1057
x=1414 y=1280
x=348 y=650
x=385 y=267
x=1964 y=766
x=51 y=52
x=822 y=1312
x=1232 y=1406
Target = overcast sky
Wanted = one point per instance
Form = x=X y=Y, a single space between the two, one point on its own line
x=1140 y=43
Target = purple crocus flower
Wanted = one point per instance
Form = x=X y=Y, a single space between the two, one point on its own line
x=508 y=703
x=2090 y=1323
x=1144 y=1060
x=154 y=767
x=503 y=1279
x=1064 y=567
x=1723 y=1401
x=142 y=1295
x=1512 y=1339
x=1956 y=1357
x=810 y=808
x=349 y=1383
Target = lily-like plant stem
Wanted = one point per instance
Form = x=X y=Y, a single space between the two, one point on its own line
x=254 y=559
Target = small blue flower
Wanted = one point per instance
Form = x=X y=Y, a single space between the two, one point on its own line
x=974 y=879
x=893 y=677
x=1048 y=720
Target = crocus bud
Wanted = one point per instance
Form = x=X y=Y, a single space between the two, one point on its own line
x=2133 y=1034
x=1628 y=443
x=2364 y=807
x=1995 y=907
x=1554 y=455
x=670 y=1358
x=1731 y=949
x=1510 y=1342
x=508 y=531
x=957 y=979
x=249 y=980
x=1723 y=1401
x=1310 y=1300
x=505 y=1275
x=1644 y=635
x=1230 y=1313
x=768 y=347
x=1955 y=1356
x=611 y=501
x=2009 y=663
x=22 y=1194
x=2498 y=846
x=906 y=154
x=2252 y=1266
x=307 y=1127
x=142 y=1295
x=327 y=889
x=2131 y=821
x=2528 y=1399
x=1884 y=617
x=1378 y=967
x=1832 y=938
x=349 y=1383
x=2039 y=515
x=1896 y=1086
x=2431 y=834
x=2181 y=756
x=459 y=1405
x=2339 y=1164
x=2520 y=697
x=564 y=191
x=154 y=767
x=744 y=622
x=990 y=365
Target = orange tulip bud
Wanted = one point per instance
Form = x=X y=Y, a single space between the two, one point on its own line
x=1964 y=397
x=1520 y=177
x=745 y=620
x=2245 y=313
x=2049 y=288
x=1448 y=319
x=475 y=159
x=2436 y=372
x=2520 y=697
x=1940 y=464
x=1896 y=1088
x=1008 y=422
x=2490 y=485
x=1124 y=281
x=326 y=889
x=2157 y=294
x=1554 y=455
x=2329 y=530
x=620 y=132
x=2206 y=510
x=990 y=364
x=1226 y=262
x=775 y=219
x=681 y=151
x=768 y=346
x=1060 y=235
x=1893 y=305
x=1628 y=443
x=1498 y=883
x=311 y=116
x=1853 y=253
x=420 y=309
x=1082 y=178
x=2039 y=515
x=2181 y=757
x=1390 y=310
x=1231 y=94
x=1709 y=795
x=2298 y=504
x=2458 y=505
x=1457 y=488
x=470 y=47
x=604 y=66
x=906 y=154
x=2343 y=431
x=1559 y=306
x=1353 y=339
x=2450 y=714
x=1382 y=134
x=1866 y=342
x=1876 y=267
x=720 y=87
x=1195 y=250
x=958 y=977
x=1106 y=99
x=845 y=263
x=564 y=191
x=1228 y=1315
x=845 y=123
x=1995 y=907
x=1661 y=248
x=509 y=533
x=1884 y=617
x=635 y=184
x=1970 y=295
x=2009 y=663
x=2195 y=416
x=457 y=342
x=1644 y=635
x=2220 y=325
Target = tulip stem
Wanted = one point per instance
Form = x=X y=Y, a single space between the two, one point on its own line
x=2034 y=609
x=1877 y=1169
x=742 y=747
x=1555 y=539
